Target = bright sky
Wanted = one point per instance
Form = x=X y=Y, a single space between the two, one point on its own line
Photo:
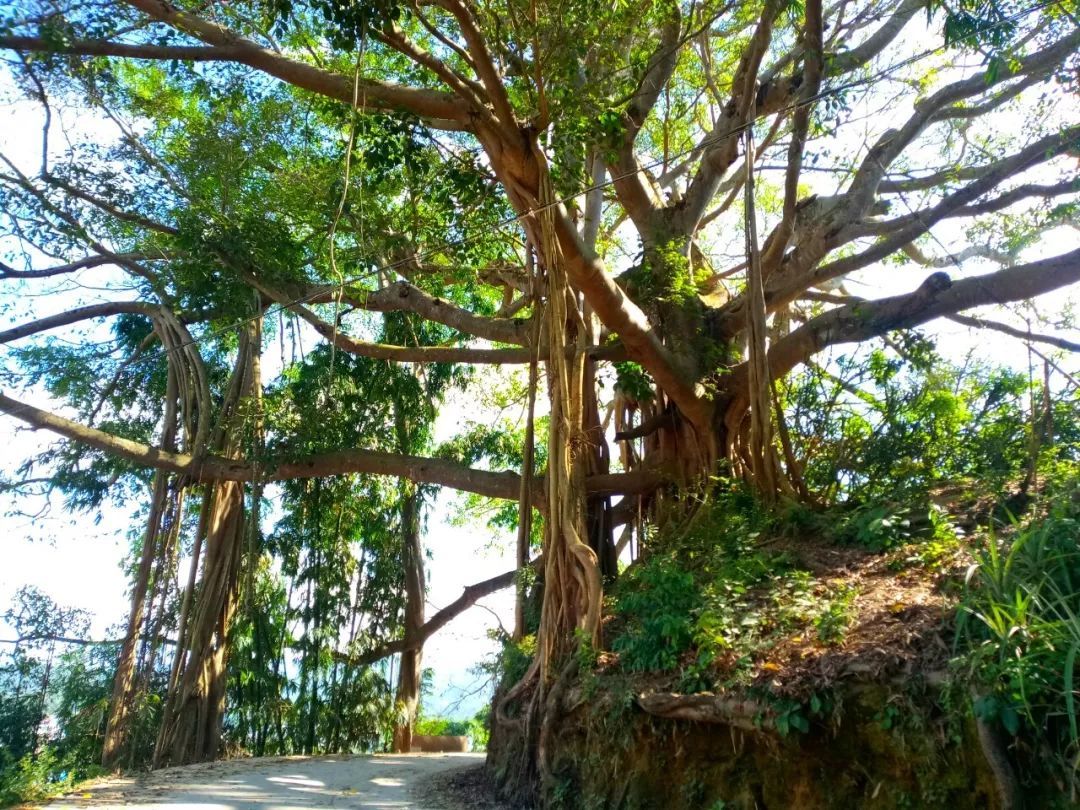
x=77 y=561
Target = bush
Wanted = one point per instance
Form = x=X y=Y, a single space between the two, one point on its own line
x=659 y=601
x=475 y=728
x=33 y=778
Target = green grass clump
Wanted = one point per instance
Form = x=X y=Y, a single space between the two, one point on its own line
x=1020 y=624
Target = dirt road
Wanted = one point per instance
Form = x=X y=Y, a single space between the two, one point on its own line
x=384 y=781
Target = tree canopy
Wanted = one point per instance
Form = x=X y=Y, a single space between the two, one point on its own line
x=657 y=210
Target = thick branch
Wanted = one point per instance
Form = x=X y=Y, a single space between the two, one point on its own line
x=79 y=314
x=441 y=109
x=428 y=104
x=103 y=47
x=646 y=428
x=634 y=187
x=198 y=469
x=846 y=61
x=790 y=282
x=777 y=243
x=893 y=142
x=723 y=147
x=401 y=296
x=623 y=317
x=970 y=252
x=832 y=221
x=216 y=468
x=82 y=642
x=433 y=354
x=1004 y=200
x=937 y=297
x=482 y=62
x=419 y=469
x=7 y=271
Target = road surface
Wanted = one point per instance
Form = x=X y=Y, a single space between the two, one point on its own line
x=383 y=781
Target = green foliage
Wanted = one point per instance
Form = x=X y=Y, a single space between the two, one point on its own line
x=476 y=728
x=634 y=381
x=660 y=601
x=877 y=527
x=991 y=27
x=515 y=658
x=879 y=430
x=349 y=22
x=52 y=700
x=339 y=544
x=789 y=716
x=1020 y=626
x=708 y=590
x=31 y=779
x=833 y=621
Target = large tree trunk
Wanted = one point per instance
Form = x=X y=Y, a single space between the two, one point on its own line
x=410 y=672
x=195 y=702
x=572 y=588
x=191 y=723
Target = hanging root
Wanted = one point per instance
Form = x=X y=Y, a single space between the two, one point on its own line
x=572 y=583
x=760 y=451
x=572 y=591
x=552 y=712
x=193 y=709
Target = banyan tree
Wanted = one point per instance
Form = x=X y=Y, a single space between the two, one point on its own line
x=654 y=209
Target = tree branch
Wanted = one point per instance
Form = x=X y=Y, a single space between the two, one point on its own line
x=789 y=284
x=431 y=354
x=7 y=271
x=82 y=642
x=441 y=110
x=937 y=297
x=468 y=598
x=634 y=187
x=623 y=317
x=419 y=469
x=482 y=63
x=1003 y=200
x=402 y=296
x=723 y=147
x=1012 y=331
x=79 y=314
x=847 y=61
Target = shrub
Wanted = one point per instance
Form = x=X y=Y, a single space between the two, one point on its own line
x=659 y=601
x=33 y=778
x=475 y=728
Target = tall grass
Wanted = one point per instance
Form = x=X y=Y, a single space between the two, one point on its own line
x=1020 y=624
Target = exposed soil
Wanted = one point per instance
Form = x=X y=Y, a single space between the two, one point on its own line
x=901 y=620
x=463 y=789
x=899 y=624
